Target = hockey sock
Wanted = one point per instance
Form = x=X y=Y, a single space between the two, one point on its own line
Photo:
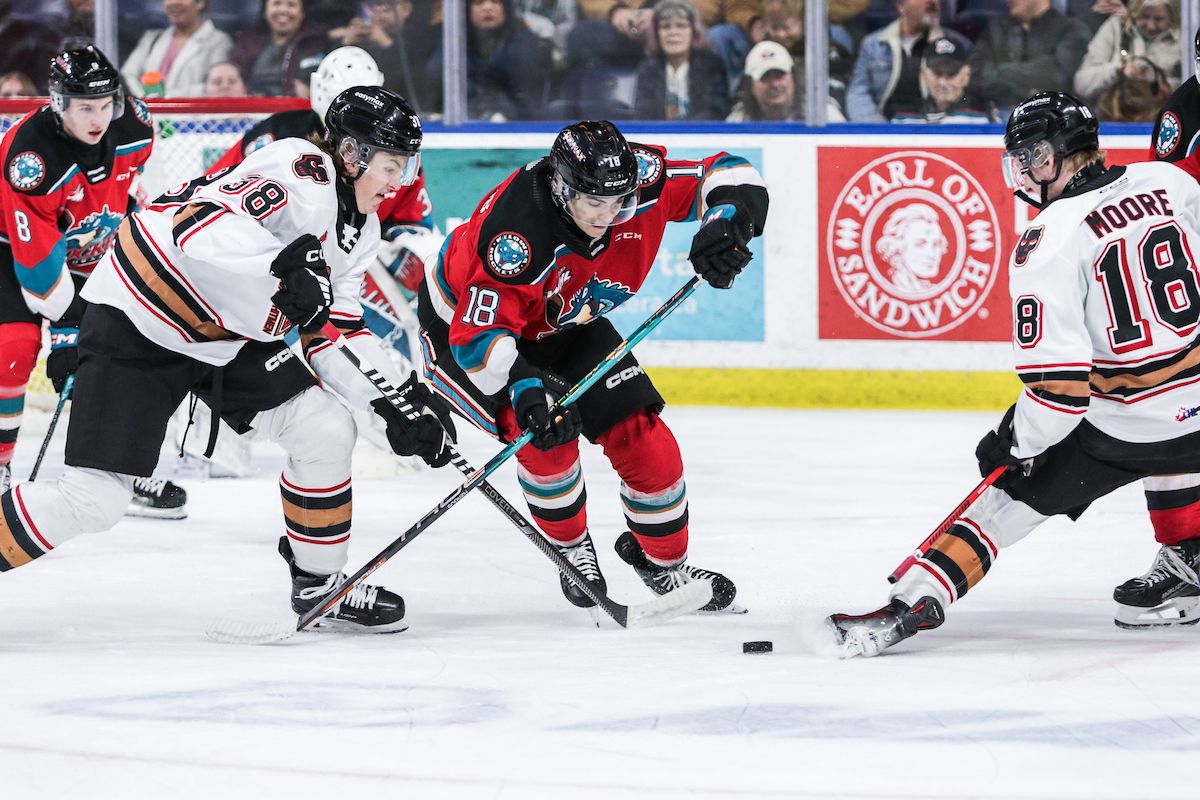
x=317 y=521
x=1174 y=505
x=554 y=490
x=644 y=453
x=19 y=345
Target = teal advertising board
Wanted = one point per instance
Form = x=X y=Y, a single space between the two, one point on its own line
x=459 y=178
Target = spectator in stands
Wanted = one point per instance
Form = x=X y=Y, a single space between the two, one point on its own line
x=224 y=79
x=887 y=74
x=17 y=84
x=78 y=28
x=1034 y=49
x=782 y=21
x=770 y=91
x=551 y=20
x=1132 y=60
x=1094 y=13
x=682 y=78
x=27 y=46
x=508 y=65
x=611 y=33
x=945 y=87
x=386 y=33
x=269 y=54
x=181 y=53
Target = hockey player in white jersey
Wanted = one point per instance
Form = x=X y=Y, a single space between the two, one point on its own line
x=195 y=295
x=1106 y=331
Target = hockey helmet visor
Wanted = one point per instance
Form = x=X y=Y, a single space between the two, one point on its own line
x=594 y=210
x=1019 y=161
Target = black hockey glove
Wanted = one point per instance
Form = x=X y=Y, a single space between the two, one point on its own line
x=720 y=249
x=995 y=450
x=531 y=395
x=430 y=436
x=305 y=294
x=64 y=347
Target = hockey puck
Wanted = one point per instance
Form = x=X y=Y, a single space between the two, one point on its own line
x=757 y=647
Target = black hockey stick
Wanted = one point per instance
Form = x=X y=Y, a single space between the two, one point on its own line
x=62 y=401
x=689 y=597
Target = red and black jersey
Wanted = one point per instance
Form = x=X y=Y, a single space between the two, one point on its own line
x=408 y=206
x=62 y=201
x=1176 y=136
x=519 y=270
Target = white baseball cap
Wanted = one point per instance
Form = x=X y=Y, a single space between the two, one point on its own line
x=766 y=56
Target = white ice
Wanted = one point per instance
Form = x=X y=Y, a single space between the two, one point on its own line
x=501 y=689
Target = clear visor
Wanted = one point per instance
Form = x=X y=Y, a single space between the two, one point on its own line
x=1017 y=163
x=593 y=210
x=59 y=102
x=398 y=169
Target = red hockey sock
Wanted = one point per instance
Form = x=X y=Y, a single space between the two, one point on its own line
x=19 y=345
x=1174 y=505
x=553 y=484
x=644 y=453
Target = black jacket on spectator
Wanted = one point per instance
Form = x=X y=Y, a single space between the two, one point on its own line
x=708 y=93
x=249 y=44
x=507 y=71
x=1010 y=63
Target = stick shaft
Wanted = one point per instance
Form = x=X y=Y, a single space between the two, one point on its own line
x=58 y=409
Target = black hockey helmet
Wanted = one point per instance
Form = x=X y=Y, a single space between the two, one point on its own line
x=363 y=119
x=592 y=159
x=1046 y=125
x=84 y=72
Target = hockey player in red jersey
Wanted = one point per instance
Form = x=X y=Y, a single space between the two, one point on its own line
x=1106 y=330
x=196 y=294
x=512 y=312
x=1176 y=135
x=69 y=169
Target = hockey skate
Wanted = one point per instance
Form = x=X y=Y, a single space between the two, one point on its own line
x=1168 y=594
x=583 y=557
x=366 y=609
x=154 y=497
x=870 y=634
x=663 y=579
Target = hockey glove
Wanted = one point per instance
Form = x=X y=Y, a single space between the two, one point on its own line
x=720 y=248
x=430 y=435
x=531 y=397
x=305 y=294
x=995 y=449
x=64 y=347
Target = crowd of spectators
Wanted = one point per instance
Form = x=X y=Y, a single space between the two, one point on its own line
x=900 y=61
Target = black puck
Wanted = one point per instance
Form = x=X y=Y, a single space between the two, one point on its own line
x=757 y=647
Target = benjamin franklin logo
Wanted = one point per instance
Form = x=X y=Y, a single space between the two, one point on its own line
x=912 y=244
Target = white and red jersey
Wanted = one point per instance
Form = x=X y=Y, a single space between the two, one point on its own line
x=192 y=271
x=1106 y=310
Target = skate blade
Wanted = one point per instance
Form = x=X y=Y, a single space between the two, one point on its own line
x=236 y=631
x=853 y=642
x=732 y=608
x=1176 y=612
x=134 y=510
x=333 y=625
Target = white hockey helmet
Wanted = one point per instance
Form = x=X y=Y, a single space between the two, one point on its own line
x=341 y=69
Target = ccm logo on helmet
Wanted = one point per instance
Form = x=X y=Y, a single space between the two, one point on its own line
x=624 y=375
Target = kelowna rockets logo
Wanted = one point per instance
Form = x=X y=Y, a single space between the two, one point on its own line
x=596 y=298
x=87 y=241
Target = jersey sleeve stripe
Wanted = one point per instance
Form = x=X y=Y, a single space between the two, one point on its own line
x=1047 y=377
x=41 y=279
x=71 y=173
x=474 y=355
x=1051 y=402
x=132 y=147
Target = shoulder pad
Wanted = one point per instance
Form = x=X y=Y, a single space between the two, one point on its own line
x=37 y=157
x=515 y=240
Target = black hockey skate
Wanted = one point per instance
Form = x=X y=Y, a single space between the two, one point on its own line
x=154 y=497
x=663 y=579
x=367 y=608
x=1169 y=594
x=870 y=634
x=583 y=557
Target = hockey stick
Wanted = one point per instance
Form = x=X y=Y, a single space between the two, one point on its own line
x=62 y=401
x=947 y=523
x=686 y=599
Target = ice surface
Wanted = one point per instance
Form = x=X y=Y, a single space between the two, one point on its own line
x=501 y=689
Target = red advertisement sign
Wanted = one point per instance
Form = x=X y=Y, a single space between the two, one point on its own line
x=915 y=243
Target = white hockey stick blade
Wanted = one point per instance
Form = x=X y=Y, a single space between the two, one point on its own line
x=684 y=600
x=236 y=631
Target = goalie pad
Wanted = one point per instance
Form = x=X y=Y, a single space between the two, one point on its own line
x=403 y=254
